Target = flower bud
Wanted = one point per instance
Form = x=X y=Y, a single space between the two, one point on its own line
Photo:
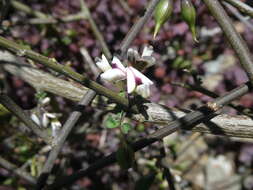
x=163 y=12
x=188 y=13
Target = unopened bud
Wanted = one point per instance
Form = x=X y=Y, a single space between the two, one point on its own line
x=163 y=12
x=188 y=13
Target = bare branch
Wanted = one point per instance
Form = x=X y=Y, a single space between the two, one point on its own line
x=9 y=104
x=14 y=169
x=238 y=15
x=137 y=27
x=235 y=39
x=241 y=6
x=58 y=143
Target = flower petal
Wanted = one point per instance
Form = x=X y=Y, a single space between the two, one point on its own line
x=131 y=82
x=103 y=64
x=56 y=125
x=118 y=63
x=113 y=75
x=36 y=119
x=45 y=120
x=147 y=51
x=142 y=77
x=143 y=90
x=50 y=115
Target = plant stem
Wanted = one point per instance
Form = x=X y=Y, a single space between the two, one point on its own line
x=137 y=27
x=67 y=127
x=234 y=38
x=19 y=172
x=9 y=104
x=243 y=7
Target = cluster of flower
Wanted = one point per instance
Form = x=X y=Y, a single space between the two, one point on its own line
x=47 y=119
x=136 y=81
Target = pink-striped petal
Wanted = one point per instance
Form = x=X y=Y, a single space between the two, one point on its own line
x=118 y=64
x=140 y=76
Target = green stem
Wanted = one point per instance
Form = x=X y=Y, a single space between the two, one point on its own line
x=65 y=70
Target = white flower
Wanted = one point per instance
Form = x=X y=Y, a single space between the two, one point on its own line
x=36 y=119
x=103 y=64
x=45 y=101
x=147 y=51
x=56 y=126
x=136 y=81
x=48 y=119
x=45 y=118
x=111 y=73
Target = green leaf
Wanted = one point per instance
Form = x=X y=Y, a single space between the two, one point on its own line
x=40 y=95
x=125 y=156
x=145 y=182
x=111 y=122
x=126 y=127
x=66 y=40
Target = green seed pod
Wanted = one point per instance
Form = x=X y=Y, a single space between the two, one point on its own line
x=188 y=13
x=163 y=12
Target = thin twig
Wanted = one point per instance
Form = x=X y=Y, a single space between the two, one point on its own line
x=203 y=114
x=24 y=117
x=87 y=59
x=28 y=10
x=137 y=27
x=19 y=172
x=126 y=7
x=51 y=20
x=235 y=39
x=48 y=19
x=239 y=16
x=95 y=30
x=209 y=93
x=241 y=6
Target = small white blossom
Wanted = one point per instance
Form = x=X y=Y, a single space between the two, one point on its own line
x=56 y=126
x=45 y=101
x=36 y=119
x=147 y=51
x=103 y=64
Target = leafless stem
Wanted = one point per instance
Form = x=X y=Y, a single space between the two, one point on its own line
x=235 y=39
x=68 y=126
x=137 y=28
x=238 y=15
x=14 y=169
x=24 y=117
x=241 y=6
